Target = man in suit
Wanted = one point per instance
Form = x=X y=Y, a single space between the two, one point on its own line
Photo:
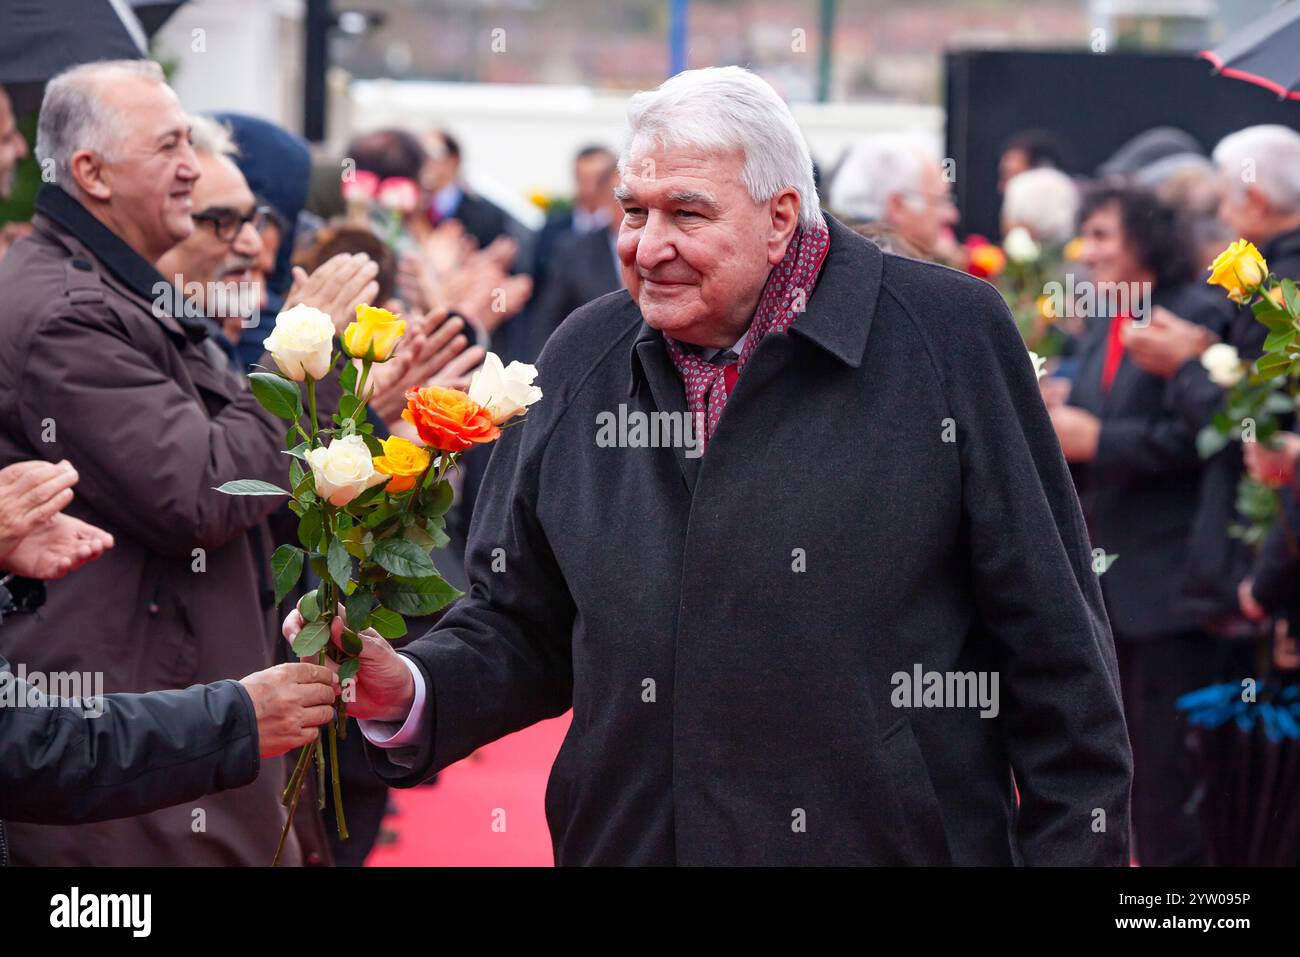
x=1138 y=475
x=784 y=497
x=594 y=170
x=449 y=198
x=584 y=267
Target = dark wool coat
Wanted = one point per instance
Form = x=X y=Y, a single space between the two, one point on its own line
x=883 y=492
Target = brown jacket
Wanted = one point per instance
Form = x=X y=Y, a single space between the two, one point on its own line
x=143 y=405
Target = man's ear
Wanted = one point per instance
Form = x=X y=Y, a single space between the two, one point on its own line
x=88 y=175
x=784 y=207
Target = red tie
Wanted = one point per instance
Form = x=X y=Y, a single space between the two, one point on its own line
x=729 y=376
x=1114 y=350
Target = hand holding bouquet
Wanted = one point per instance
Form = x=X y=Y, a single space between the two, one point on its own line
x=370 y=511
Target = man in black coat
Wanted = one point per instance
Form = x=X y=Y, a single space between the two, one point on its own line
x=791 y=535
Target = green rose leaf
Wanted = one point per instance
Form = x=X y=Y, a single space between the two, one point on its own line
x=299 y=451
x=309 y=529
x=338 y=562
x=402 y=558
x=388 y=623
x=1290 y=297
x=309 y=606
x=349 y=667
x=438 y=501
x=311 y=639
x=276 y=394
x=348 y=378
x=416 y=596
x=1272 y=365
x=250 y=487
x=1210 y=441
x=357 y=607
x=286 y=569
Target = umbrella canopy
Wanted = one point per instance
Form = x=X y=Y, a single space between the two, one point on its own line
x=1264 y=53
x=40 y=39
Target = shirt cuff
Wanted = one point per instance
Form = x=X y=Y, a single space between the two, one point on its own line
x=387 y=734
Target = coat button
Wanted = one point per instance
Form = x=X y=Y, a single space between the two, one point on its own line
x=82 y=264
x=153 y=608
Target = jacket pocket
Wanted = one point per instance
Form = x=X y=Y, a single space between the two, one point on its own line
x=917 y=801
x=171 y=653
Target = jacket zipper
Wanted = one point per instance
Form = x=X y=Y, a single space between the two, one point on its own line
x=4 y=846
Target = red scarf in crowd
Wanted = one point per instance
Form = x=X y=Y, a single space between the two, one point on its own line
x=1114 y=350
x=708 y=384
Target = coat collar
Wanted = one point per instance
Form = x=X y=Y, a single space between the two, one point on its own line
x=839 y=311
x=134 y=271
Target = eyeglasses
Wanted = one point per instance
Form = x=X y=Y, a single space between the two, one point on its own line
x=226 y=223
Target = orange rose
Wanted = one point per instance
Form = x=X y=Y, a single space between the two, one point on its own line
x=448 y=419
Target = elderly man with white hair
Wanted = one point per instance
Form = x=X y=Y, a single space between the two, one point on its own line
x=791 y=535
x=1045 y=203
x=894 y=178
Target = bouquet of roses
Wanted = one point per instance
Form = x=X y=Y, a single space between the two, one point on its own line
x=1257 y=393
x=370 y=511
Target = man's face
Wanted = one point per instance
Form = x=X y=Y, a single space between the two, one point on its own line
x=695 y=248
x=1242 y=210
x=221 y=199
x=921 y=213
x=440 y=168
x=593 y=180
x=12 y=145
x=148 y=177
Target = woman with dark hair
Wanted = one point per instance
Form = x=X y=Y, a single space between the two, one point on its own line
x=1138 y=471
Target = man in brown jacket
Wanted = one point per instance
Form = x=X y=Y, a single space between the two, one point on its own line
x=96 y=371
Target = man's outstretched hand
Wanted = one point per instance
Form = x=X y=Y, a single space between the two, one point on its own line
x=384 y=688
x=291 y=702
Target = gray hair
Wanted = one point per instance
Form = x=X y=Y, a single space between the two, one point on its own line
x=1272 y=153
x=73 y=117
x=210 y=137
x=1045 y=202
x=722 y=109
x=874 y=170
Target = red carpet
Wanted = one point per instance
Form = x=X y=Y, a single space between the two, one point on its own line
x=485 y=811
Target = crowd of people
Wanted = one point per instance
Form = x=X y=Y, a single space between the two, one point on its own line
x=139 y=296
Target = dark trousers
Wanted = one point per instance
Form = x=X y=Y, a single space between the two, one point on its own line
x=1154 y=673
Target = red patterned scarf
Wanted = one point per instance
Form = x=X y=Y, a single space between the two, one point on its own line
x=786 y=294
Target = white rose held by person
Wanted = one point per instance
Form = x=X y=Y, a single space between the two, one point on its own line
x=343 y=470
x=504 y=391
x=1020 y=246
x=1223 y=364
x=302 y=343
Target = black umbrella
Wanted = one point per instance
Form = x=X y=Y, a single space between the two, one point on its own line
x=39 y=39
x=1264 y=53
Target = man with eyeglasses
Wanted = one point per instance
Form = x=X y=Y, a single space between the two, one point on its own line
x=215 y=271
x=895 y=179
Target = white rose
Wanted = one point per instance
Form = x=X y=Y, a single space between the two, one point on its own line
x=1020 y=246
x=343 y=470
x=1223 y=364
x=1040 y=364
x=504 y=392
x=302 y=342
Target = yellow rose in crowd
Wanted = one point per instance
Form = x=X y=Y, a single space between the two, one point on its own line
x=375 y=329
x=1073 y=250
x=404 y=461
x=1240 y=269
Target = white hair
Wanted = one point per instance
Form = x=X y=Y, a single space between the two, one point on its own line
x=1044 y=201
x=73 y=117
x=875 y=169
x=720 y=110
x=212 y=138
x=1270 y=154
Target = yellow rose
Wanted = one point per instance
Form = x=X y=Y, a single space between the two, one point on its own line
x=375 y=329
x=404 y=461
x=1239 y=269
